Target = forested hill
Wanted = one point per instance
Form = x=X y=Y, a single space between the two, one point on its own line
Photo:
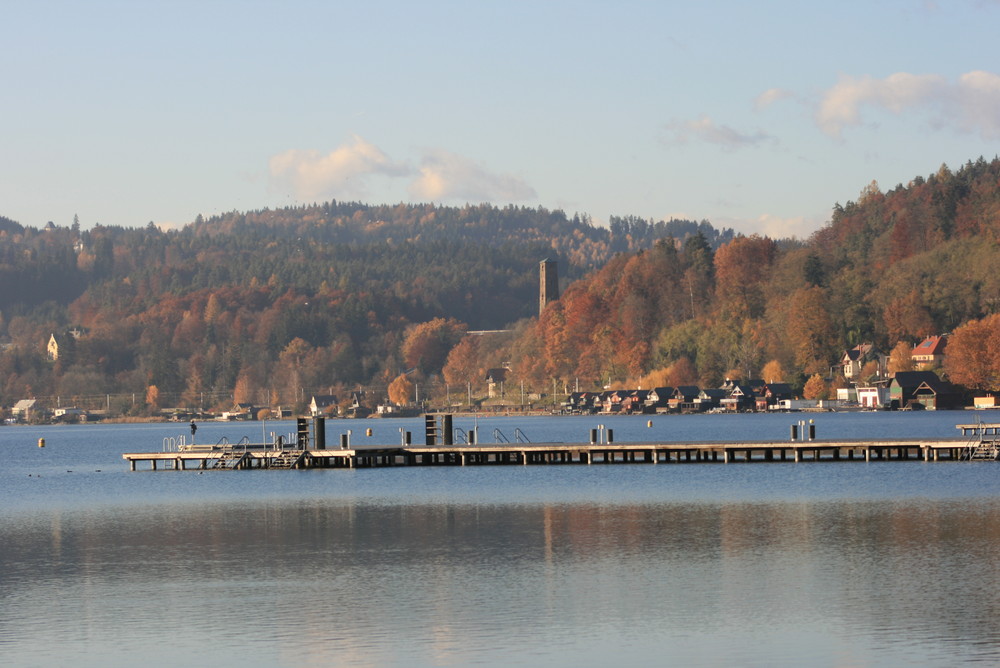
x=576 y=241
x=336 y=285
x=889 y=269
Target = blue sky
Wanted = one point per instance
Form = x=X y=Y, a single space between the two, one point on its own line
x=757 y=116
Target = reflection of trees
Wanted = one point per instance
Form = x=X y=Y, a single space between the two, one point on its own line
x=912 y=568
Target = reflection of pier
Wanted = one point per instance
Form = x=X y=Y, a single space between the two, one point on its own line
x=978 y=441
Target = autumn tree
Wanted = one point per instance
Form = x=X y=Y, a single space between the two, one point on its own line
x=427 y=344
x=741 y=269
x=815 y=388
x=810 y=330
x=901 y=358
x=243 y=392
x=401 y=390
x=773 y=372
x=973 y=358
x=152 y=397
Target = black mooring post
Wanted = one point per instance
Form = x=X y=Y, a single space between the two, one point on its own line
x=319 y=432
x=446 y=427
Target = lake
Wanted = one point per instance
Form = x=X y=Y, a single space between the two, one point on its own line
x=777 y=564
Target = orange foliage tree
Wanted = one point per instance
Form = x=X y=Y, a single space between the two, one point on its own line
x=810 y=329
x=741 y=271
x=815 y=388
x=901 y=358
x=973 y=358
x=400 y=390
x=427 y=344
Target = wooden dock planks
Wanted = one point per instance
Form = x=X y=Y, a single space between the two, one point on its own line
x=262 y=457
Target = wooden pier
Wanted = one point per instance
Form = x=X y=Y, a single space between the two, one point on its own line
x=980 y=441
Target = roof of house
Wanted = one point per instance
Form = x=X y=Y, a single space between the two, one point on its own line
x=858 y=352
x=913 y=379
x=324 y=399
x=932 y=345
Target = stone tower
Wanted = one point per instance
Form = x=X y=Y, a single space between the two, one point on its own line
x=548 y=283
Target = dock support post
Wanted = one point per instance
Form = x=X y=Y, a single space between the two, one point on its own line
x=868 y=454
x=798 y=455
x=131 y=464
x=725 y=456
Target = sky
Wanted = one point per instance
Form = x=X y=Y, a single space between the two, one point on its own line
x=758 y=116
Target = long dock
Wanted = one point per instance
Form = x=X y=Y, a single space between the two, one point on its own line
x=977 y=442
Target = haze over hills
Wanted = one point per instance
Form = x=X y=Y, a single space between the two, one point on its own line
x=275 y=304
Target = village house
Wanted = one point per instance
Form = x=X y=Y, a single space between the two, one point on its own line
x=709 y=398
x=929 y=353
x=634 y=402
x=873 y=396
x=322 y=404
x=771 y=395
x=854 y=361
x=684 y=398
x=658 y=399
x=922 y=389
x=740 y=398
x=612 y=400
x=357 y=408
x=24 y=409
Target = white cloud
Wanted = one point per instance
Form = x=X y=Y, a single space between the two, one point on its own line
x=772 y=226
x=341 y=172
x=972 y=104
x=770 y=96
x=446 y=176
x=706 y=130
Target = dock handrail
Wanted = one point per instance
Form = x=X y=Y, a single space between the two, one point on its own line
x=498 y=436
x=519 y=436
x=462 y=435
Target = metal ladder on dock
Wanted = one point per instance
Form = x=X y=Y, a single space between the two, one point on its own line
x=985 y=450
x=285 y=460
x=229 y=460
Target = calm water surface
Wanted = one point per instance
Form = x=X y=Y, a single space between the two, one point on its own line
x=783 y=564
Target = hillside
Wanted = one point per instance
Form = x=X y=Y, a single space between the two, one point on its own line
x=891 y=267
x=277 y=301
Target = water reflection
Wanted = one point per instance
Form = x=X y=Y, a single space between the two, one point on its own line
x=343 y=583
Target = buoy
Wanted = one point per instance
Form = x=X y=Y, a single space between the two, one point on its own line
x=368 y=432
x=41 y=442
x=649 y=423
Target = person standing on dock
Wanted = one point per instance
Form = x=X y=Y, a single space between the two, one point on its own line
x=194 y=428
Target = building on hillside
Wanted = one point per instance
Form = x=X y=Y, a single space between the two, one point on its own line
x=929 y=353
x=23 y=409
x=853 y=361
x=52 y=349
x=548 y=283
